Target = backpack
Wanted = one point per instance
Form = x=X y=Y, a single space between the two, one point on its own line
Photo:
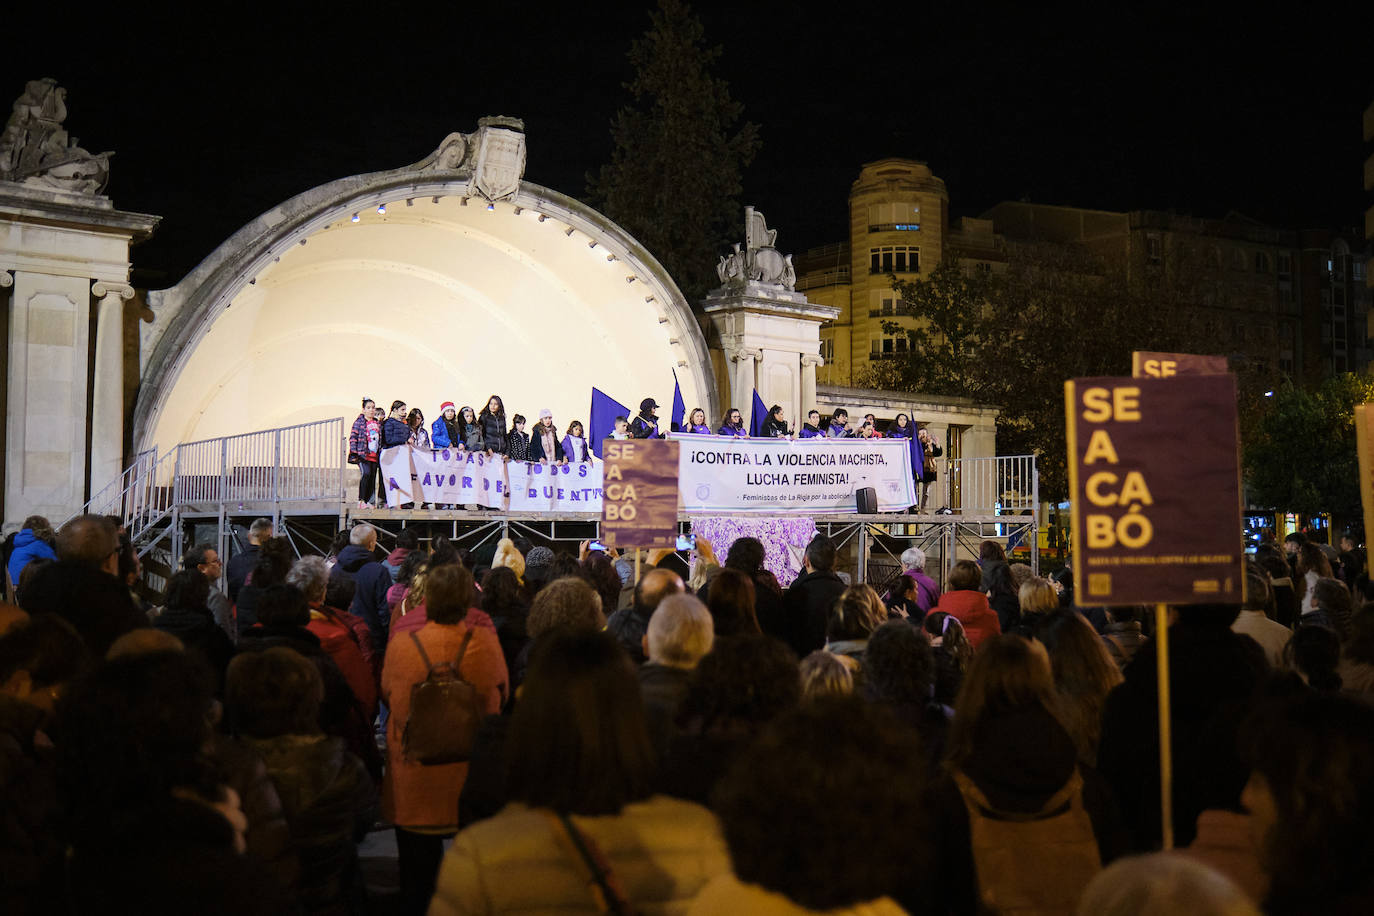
x=445 y=713
x=1037 y=863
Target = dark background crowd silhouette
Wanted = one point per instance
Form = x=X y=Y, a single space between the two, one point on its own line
x=701 y=740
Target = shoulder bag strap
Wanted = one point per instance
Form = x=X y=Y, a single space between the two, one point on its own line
x=601 y=881
x=424 y=656
x=462 y=650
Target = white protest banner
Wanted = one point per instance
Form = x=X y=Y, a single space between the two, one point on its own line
x=450 y=477
x=525 y=492
x=396 y=476
x=575 y=487
x=813 y=476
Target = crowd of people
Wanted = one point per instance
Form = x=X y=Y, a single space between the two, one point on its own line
x=486 y=431
x=700 y=739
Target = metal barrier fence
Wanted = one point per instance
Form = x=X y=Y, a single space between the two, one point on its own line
x=992 y=486
x=290 y=464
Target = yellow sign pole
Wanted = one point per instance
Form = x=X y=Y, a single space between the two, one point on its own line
x=1166 y=757
x=1362 y=446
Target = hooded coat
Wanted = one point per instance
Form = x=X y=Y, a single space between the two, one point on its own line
x=371 y=579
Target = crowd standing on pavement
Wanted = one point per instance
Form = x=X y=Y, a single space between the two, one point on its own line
x=543 y=732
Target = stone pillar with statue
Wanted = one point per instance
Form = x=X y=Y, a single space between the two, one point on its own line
x=769 y=331
x=62 y=242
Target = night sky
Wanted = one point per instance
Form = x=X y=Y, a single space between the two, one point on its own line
x=214 y=121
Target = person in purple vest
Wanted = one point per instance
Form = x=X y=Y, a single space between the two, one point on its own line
x=811 y=429
x=575 y=443
x=645 y=423
x=733 y=425
x=696 y=423
x=839 y=425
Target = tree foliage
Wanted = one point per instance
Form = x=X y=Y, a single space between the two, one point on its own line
x=1012 y=337
x=674 y=178
x=1300 y=455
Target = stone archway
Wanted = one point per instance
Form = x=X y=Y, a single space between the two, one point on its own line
x=448 y=280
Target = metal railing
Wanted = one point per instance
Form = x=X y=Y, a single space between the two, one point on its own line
x=290 y=464
x=992 y=486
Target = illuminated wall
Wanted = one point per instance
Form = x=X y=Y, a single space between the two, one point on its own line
x=433 y=301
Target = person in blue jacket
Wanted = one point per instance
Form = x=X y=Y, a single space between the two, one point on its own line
x=444 y=432
x=811 y=429
x=395 y=431
x=33 y=542
x=733 y=425
x=696 y=423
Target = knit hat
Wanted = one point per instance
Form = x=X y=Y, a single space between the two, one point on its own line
x=508 y=556
x=447 y=405
x=538 y=560
x=545 y=413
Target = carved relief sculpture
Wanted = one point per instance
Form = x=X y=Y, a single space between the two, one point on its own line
x=35 y=149
x=759 y=262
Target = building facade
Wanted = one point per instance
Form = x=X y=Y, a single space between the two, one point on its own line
x=898 y=226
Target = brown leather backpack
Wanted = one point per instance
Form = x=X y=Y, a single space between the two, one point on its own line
x=445 y=713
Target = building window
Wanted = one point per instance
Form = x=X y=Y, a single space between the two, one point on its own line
x=894 y=259
x=1285 y=264
x=1152 y=249
x=1261 y=263
x=900 y=216
x=1238 y=259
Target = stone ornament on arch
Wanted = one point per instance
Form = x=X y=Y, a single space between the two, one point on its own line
x=759 y=263
x=500 y=157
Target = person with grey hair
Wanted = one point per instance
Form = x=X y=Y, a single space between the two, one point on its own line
x=680 y=634
x=358 y=562
x=914 y=567
x=238 y=568
x=1161 y=884
x=336 y=635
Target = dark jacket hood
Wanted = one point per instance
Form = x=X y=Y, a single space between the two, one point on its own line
x=1021 y=758
x=354 y=557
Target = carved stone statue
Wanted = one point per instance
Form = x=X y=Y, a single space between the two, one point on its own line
x=759 y=262
x=35 y=149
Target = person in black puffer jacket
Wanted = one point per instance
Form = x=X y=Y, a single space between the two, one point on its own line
x=188 y=618
x=274 y=700
x=492 y=422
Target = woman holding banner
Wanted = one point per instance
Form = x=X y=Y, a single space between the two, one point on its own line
x=492 y=422
x=696 y=423
x=775 y=427
x=544 y=445
x=733 y=425
x=575 y=444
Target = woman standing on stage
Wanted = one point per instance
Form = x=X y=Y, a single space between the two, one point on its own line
x=575 y=443
x=929 y=451
x=364 y=444
x=492 y=422
x=733 y=425
x=696 y=423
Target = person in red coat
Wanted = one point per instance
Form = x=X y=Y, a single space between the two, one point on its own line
x=337 y=638
x=970 y=606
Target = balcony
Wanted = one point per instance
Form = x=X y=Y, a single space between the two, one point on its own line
x=836 y=277
x=895 y=227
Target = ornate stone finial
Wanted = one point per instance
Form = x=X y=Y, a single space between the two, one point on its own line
x=494 y=155
x=36 y=150
x=759 y=263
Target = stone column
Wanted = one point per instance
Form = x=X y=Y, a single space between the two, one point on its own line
x=107 y=403
x=809 y=364
x=744 y=382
